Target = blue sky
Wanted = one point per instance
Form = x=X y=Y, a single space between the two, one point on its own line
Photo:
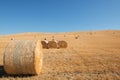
x=17 y=16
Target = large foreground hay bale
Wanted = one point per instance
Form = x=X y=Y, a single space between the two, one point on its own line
x=52 y=44
x=62 y=44
x=44 y=44
x=23 y=57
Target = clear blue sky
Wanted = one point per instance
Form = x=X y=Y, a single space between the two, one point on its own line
x=17 y=16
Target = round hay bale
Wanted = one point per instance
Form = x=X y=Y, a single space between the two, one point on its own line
x=23 y=57
x=44 y=44
x=12 y=38
x=52 y=44
x=62 y=44
x=76 y=37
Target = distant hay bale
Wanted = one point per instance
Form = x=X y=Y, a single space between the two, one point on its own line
x=76 y=37
x=12 y=38
x=44 y=44
x=52 y=44
x=90 y=33
x=23 y=57
x=113 y=32
x=62 y=44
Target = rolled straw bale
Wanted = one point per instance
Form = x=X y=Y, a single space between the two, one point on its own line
x=12 y=38
x=52 y=44
x=62 y=44
x=44 y=44
x=23 y=57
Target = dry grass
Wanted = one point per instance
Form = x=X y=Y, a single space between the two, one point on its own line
x=90 y=57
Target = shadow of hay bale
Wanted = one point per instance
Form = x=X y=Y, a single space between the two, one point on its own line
x=2 y=71
x=4 y=74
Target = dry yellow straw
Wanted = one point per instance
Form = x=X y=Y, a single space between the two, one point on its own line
x=62 y=44
x=23 y=57
x=52 y=44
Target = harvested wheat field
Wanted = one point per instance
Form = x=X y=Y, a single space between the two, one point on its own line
x=92 y=55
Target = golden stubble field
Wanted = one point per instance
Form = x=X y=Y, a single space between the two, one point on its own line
x=90 y=56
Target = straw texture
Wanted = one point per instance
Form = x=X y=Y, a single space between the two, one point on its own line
x=52 y=44
x=62 y=44
x=23 y=57
x=44 y=44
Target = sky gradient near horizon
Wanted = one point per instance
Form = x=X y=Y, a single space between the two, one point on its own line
x=18 y=16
